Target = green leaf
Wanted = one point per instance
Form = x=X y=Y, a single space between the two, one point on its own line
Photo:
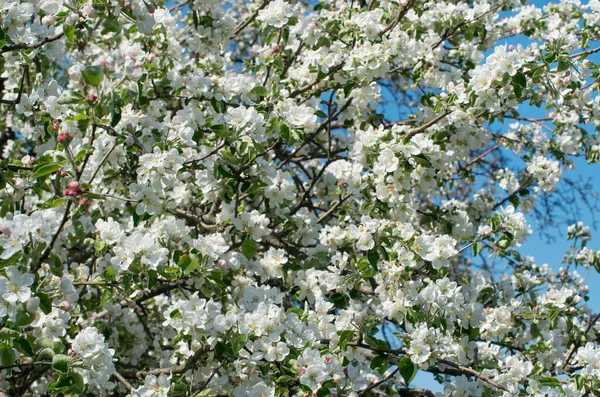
x=323 y=392
x=422 y=160
x=22 y=345
x=379 y=364
x=284 y=132
x=562 y=65
x=45 y=303
x=345 y=338
x=8 y=334
x=259 y=91
x=69 y=31
x=115 y=110
x=373 y=257
x=408 y=370
x=111 y=25
x=56 y=266
x=549 y=382
x=60 y=363
x=42 y=342
x=77 y=384
x=377 y=343
x=8 y=356
x=58 y=347
x=46 y=353
x=249 y=248
x=485 y=294
x=520 y=79
x=45 y=169
x=239 y=343
x=107 y=295
x=93 y=75
x=23 y=317
x=476 y=249
x=219 y=350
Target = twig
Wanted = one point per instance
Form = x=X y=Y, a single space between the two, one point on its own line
x=252 y=17
x=375 y=385
x=472 y=372
x=121 y=379
x=21 y=85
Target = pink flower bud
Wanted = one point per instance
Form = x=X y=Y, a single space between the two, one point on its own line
x=64 y=137
x=92 y=99
x=67 y=306
x=5 y=229
x=84 y=201
x=511 y=47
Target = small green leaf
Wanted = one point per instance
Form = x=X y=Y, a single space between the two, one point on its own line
x=323 y=392
x=111 y=25
x=219 y=350
x=284 y=132
x=562 y=65
x=520 y=79
x=22 y=345
x=8 y=356
x=259 y=91
x=60 y=363
x=476 y=249
x=249 y=248
x=77 y=384
x=408 y=370
x=69 y=31
x=45 y=169
x=45 y=303
x=549 y=382
x=345 y=338
x=93 y=75
x=23 y=317
x=42 y=342
x=239 y=343
x=46 y=353
x=379 y=364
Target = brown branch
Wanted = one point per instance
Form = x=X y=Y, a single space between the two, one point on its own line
x=375 y=385
x=121 y=379
x=252 y=17
x=411 y=133
x=47 y=40
x=176 y=369
x=21 y=85
x=472 y=372
x=50 y=246
x=401 y=15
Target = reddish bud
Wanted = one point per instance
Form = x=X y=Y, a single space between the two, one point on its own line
x=64 y=137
